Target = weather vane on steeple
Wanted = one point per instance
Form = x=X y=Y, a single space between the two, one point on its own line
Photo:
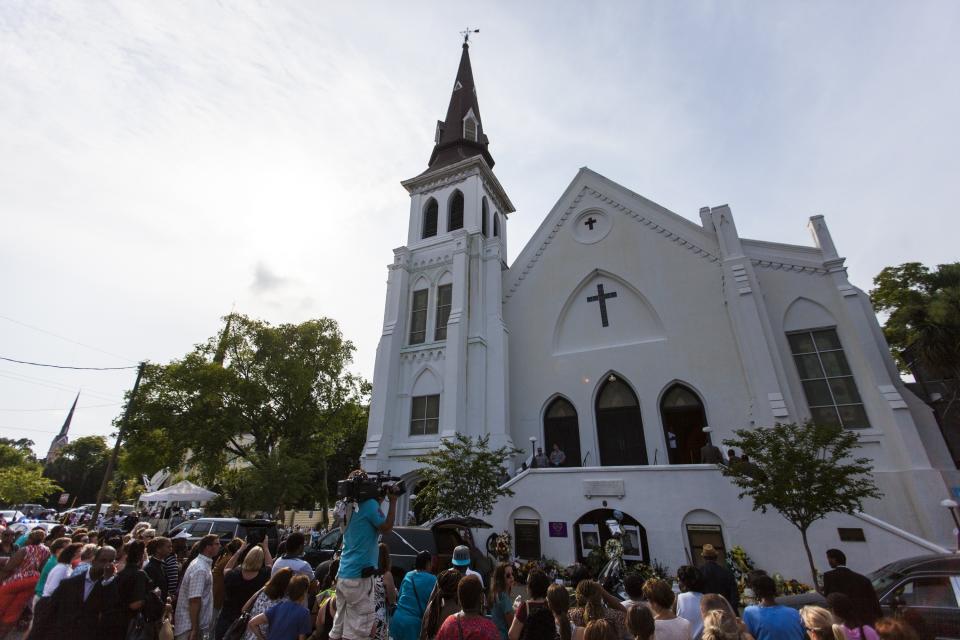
x=466 y=34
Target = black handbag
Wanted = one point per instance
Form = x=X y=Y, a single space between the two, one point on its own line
x=238 y=627
x=141 y=629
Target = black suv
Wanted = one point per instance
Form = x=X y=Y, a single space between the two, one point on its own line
x=228 y=529
x=439 y=537
x=928 y=586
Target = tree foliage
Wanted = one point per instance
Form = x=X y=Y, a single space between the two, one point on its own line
x=79 y=467
x=255 y=411
x=804 y=472
x=23 y=483
x=461 y=477
x=14 y=452
x=924 y=315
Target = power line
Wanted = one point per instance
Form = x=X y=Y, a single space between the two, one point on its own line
x=65 y=339
x=43 y=382
x=29 y=429
x=60 y=366
x=88 y=406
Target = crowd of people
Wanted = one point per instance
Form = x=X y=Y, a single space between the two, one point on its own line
x=137 y=585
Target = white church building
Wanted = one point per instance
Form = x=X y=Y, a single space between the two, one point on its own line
x=622 y=331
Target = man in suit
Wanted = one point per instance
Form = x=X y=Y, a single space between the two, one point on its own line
x=710 y=454
x=718 y=579
x=857 y=587
x=87 y=606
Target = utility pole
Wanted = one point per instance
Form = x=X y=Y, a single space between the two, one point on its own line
x=116 y=447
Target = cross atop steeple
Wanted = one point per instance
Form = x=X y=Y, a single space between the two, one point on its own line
x=466 y=34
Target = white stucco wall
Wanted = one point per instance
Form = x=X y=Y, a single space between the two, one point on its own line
x=661 y=497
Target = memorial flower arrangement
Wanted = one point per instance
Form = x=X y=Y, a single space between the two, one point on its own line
x=614 y=549
x=741 y=564
x=655 y=569
x=791 y=586
x=502 y=547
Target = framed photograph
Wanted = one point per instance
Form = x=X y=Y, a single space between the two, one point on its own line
x=631 y=542
x=589 y=538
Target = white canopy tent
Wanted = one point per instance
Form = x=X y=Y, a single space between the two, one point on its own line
x=183 y=491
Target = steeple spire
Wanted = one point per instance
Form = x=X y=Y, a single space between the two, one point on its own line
x=461 y=134
x=61 y=440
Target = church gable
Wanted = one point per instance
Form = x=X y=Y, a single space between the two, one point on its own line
x=588 y=210
x=623 y=313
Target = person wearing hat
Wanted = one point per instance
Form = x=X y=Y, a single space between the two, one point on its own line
x=718 y=579
x=461 y=562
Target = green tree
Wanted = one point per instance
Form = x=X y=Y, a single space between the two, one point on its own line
x=80 y=466
x=259 y=407
x=24 y=482
x=14 y=452
x=804 y=472
x=923 y=308
x=462 y=477
x=923 y=321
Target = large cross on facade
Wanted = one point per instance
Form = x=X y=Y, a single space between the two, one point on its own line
x=602 y=298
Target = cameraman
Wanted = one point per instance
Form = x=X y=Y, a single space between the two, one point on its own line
x=359 y=561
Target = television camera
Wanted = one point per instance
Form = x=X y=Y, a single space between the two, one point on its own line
x=376 y=485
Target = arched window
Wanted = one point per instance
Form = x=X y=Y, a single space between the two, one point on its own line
x=683 y=422
x=496 y=225
x=619 y=425
x=483 y=217
x=430 y=219
x=561 y=428
x=455 y=219
x=470 y=129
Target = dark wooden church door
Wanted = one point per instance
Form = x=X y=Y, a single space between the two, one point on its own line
x=561 y=427
x=619 y=425
x=683 y=423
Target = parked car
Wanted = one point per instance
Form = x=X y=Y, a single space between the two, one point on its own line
x=124 y=508
x=30 y=510
x=11 y=515
x=928 y=586
x=324 y=548
x=228 y=529
x=439 y=537
x=28 y=525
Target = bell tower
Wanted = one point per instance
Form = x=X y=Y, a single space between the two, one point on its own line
x=441 y=364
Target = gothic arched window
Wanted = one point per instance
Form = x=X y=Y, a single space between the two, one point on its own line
x=470 y=129
x=430 y=219
x=455 y=219
x=484 y=213
x=496 y=225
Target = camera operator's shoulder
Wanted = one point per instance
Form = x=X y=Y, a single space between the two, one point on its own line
x=371 y=508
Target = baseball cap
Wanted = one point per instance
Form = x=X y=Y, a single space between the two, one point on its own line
x=461 y=556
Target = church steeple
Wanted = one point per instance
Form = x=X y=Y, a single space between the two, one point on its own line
x=61 y=440
x=461 y=134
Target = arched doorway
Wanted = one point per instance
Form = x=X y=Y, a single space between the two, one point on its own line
x=683 y=422
x=619 y=425
x=591 y=529
x=561 y=427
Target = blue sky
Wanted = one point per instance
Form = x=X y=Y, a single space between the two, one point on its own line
x=161 y=162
